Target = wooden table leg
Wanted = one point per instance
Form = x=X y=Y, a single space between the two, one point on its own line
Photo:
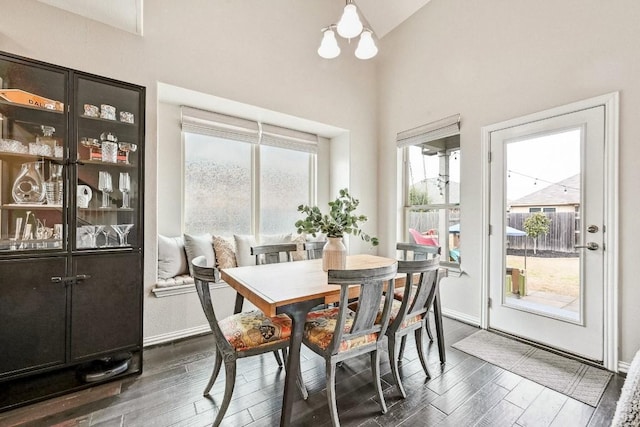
x=298 y=313
x=239 y=301
x=437 y=312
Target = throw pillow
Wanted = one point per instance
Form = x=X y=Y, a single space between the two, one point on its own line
x=272 y=239
x=199 y=245
x=243 y=249
x=172 y=259
x=225 y=255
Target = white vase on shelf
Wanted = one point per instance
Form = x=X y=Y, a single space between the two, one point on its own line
x=334 y=254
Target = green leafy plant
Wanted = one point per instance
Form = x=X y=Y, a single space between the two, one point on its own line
x=535 y=226
x=339 y=221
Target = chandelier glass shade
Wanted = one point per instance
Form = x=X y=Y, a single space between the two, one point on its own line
x=349 y=26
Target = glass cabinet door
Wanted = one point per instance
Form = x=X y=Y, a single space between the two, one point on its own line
x=33 y=136
x=107 y=196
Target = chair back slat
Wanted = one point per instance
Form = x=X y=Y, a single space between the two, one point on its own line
x=423 y=291
x=314 y=249
x=203 y=275
x=414 y=251
x=372 y=283
x=273 y=254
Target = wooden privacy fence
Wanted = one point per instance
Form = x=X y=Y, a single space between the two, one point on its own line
x=560 y=238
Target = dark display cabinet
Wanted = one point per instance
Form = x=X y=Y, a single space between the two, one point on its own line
x=71 y=229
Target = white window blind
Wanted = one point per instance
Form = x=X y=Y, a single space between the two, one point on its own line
x=220 y=125
x=439 y=129
x=277 y=136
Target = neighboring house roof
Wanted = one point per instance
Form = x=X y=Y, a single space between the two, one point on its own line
x=554 y=194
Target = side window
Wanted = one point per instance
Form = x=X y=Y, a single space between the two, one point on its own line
x=432 y=186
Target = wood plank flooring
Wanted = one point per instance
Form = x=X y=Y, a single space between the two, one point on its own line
x=466 y=391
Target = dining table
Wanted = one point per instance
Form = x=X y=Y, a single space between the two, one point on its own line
x=294 y=288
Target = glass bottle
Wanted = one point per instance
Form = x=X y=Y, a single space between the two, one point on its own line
x=49 y=144
x=54 y=185
x=29 y=186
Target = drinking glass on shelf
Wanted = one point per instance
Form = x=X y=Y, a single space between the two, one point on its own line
x=126 y=148
x=122 y=230
x=124 y=184
x=92 y=231
x=105 y=185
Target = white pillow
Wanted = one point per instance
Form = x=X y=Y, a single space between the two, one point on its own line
x=273 y=239
x=243 y=249
x=172 y=259
x=199 y=245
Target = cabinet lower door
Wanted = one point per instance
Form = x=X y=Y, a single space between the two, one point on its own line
x=106 y=311
x=32 y=314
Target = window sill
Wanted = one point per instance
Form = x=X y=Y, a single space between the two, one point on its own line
x=169 y=291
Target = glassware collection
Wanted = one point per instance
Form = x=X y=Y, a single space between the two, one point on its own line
x=38 y=194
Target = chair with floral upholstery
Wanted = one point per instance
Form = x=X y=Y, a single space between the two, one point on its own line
x=339 y=333
x=239 y=335
x=409 y=314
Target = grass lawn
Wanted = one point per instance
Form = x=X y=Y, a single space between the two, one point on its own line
x=554 y=275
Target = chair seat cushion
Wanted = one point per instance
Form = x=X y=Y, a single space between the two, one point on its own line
x=321 y=324
x=253 y=329
x=395 y=309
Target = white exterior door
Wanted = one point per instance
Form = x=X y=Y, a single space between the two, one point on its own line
x=547 y=216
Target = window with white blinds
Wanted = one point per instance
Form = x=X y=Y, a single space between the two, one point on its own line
x=243 y=176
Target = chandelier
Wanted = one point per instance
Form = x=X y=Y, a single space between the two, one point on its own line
x=349 y=26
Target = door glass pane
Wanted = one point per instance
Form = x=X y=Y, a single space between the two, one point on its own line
x=32 y=149
x=217 y=185
x=109 y=157
x=542 y=218
x=284 y=185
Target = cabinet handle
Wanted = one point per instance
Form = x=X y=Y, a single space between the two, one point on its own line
x=83 y=277
x=56 y=279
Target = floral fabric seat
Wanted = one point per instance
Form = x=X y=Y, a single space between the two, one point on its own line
x=321 y=325
x=252 y=329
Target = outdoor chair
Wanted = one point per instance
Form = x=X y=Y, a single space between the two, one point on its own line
x=410 y=313
x=239 y=335
x=339 y=333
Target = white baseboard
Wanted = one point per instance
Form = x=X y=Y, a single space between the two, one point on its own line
x=175 y=335
x=463 y=317
x=623 y=367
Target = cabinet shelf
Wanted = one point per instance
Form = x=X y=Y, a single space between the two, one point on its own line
x=29 y=107
x=32 y=206
x=101 y=163
x=100 y=210
x=30 y=157
x=100 y=119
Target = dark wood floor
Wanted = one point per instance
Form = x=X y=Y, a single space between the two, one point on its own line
x=465 y=391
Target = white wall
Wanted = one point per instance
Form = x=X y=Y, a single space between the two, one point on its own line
x=252 y=51
x=495 y=60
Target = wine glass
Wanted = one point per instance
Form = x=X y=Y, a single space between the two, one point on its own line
x=124 y=185
x=92 y=231
x=127 y=147
x=122 y=230
x=105 y=185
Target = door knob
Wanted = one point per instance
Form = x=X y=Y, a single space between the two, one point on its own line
x=592 y=229
x=592 y=246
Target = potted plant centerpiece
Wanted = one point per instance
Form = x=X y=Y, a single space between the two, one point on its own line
x=339 y=221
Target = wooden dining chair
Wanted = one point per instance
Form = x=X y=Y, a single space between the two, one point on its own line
x=339 y=333
x=239 y=335
x=410 y=313
x=415 y=251
x=272 y=254
x=314 y=249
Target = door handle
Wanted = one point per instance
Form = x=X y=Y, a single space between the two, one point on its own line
x=592 y=246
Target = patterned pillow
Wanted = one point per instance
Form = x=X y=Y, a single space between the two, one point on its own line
x=225 y=254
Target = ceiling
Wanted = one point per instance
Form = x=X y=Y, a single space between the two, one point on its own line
x=382 y=15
